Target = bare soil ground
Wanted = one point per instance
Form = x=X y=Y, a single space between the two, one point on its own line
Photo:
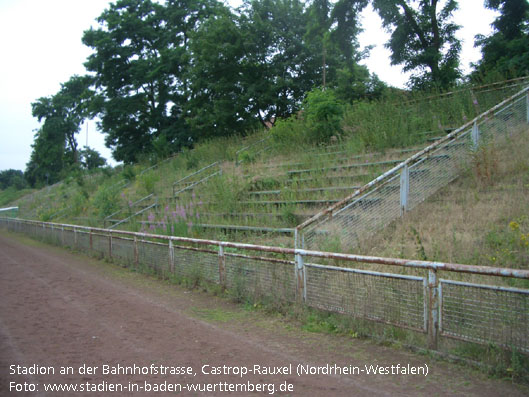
x=60 y=309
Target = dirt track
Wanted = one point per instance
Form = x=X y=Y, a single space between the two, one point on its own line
x=59 y=309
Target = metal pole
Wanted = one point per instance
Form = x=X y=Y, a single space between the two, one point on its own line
x=475 y=135
x=171 y=256
x=300 y=278
x=136 y=254
x=404 y=189
x=110 y=244
x=222 y=267
x=433 y=309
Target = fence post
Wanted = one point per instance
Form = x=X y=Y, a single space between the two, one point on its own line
x=75 y=238
x=475 y=135
x=110 y=244
x=171 y=256
x=404 y=189
x=136 y=254
x=301 y=292
x=222 y=267
x=62 y=236
x=433 y=309
x=91 y=241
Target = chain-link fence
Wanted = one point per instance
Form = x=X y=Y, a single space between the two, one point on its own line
x=406 y=185
x=424 y=304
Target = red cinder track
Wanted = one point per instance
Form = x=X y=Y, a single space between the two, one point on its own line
x=61 y=309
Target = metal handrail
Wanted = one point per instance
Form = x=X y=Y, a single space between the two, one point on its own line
x=407 y=263
x=133 y=215
x=219 y=172
x=132 y=205
x=248 y=147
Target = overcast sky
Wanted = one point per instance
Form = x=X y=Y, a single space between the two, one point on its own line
x=41 y=48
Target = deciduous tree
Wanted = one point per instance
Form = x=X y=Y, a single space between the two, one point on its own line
x=506 y=51
x=423 y=39
x=55 y=145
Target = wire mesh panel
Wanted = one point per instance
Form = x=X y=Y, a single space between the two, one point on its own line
x=438 y=169
x=56 y=236
x=44 y=233
x=389 y=298
x=260 y=277
x=100 y=244
x=154 y=255
x=485 y=314
x=123 y=249
x=196 y=264
x=361 y=217
x=38 y=231
x=69 y=238
x=509 y=118
x=83 y=241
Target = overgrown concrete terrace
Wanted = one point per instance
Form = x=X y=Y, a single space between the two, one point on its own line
x=270 y=202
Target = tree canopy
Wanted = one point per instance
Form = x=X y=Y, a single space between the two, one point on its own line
x=506 y=50
x=12 y=178
x=55 y=146
x=162 y=76
x=188 y=70
x=423 y=40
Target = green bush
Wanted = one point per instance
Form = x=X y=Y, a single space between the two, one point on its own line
x=128 y=172
x=323 y=113
x=147 y=182
x=319 y=120
x=106 y=201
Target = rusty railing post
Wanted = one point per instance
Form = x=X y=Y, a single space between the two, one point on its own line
x=433 y=309
x=171 y=256
x=222 y=267
x=110 y=244
x=300 y=278
x=136 y=253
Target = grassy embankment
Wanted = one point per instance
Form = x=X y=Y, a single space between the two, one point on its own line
x=276 y=184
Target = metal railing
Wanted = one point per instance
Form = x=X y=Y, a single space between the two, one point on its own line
x=438 y=308
x=127 y=219
x=110 y=217
x=13 y=211
x=187 y=183
x=403 y=187
x=258 y=146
